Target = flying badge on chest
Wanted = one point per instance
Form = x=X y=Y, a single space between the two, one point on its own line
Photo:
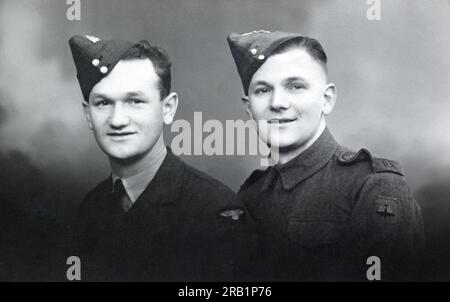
x=231 y=215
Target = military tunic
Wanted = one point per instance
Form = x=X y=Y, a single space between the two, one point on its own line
x=185 y=226
x=322 y=214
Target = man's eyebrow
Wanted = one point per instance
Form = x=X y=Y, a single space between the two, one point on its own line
x=294 y=79
x=134 y=93
x=99 y=95
x=126 y=95
x=261 y=82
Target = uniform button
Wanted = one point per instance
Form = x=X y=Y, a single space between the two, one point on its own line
x=103 y=69
x=253 y=51
x=261 y=57
x=95 y=62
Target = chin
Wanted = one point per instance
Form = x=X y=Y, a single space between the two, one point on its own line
x=120 y=157
x=282 y=142
x=120 y=154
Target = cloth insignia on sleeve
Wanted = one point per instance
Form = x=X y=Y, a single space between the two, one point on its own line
x=386 y=209
x=381 y=165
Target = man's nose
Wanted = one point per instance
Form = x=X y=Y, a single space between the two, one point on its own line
x=278 y=101
x=119 y=117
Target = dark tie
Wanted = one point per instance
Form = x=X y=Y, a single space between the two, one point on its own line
x=120 y=196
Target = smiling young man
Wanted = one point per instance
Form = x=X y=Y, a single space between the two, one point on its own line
x=323 y=209
x=155 y=218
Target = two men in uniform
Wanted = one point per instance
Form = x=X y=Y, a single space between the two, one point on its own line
x=320 y=212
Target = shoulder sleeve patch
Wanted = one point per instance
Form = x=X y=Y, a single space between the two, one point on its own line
x=352 y=157
x=381 y=165
x=386 y=210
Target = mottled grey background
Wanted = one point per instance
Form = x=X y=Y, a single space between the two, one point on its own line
x=392 y=77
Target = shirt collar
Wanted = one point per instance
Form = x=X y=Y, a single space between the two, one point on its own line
x=307 y=163
x=135 y=184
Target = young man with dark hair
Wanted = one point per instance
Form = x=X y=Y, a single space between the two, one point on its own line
x=323 y=210
x=155 y=218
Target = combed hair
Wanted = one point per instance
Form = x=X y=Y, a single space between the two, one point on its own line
x=160 y=59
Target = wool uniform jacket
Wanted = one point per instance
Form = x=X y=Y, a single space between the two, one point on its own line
x=322 y=215
x=185 y=226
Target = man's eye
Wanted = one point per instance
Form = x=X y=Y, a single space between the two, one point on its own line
x=102 y=103
x=261 y=90
x=135 y=101
x=297 y=86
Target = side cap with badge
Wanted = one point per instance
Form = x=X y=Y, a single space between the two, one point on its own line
x=95 y=58
x=251 y=50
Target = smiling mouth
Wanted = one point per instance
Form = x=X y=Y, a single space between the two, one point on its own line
x=281 y=121
x=120 y=134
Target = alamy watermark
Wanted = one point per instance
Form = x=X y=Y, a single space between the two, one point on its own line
x=373 y=13
x=73 y=12
x=73 y=273
x=235 y=137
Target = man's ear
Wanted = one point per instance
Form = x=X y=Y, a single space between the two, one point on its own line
x=170 y=105
x=330 y=96
x=87 y=114
x=246 y=105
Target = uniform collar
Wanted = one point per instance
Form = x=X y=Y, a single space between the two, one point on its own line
x=135 y=184
x=165 y=186
x=307 y=163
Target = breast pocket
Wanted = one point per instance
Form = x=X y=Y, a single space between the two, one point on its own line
x=319 y=248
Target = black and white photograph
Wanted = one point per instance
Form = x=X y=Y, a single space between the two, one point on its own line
x=252 y=141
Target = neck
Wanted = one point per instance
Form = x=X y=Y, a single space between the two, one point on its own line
x=285 y=155
x=127 y=168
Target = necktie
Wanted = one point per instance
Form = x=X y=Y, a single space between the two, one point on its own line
x=120 y=196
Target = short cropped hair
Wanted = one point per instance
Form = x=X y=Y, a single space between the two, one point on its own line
x=312 y=46
x=160 y=59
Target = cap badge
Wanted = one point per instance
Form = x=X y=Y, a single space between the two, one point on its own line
x=92 y=39
x=256 y=32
